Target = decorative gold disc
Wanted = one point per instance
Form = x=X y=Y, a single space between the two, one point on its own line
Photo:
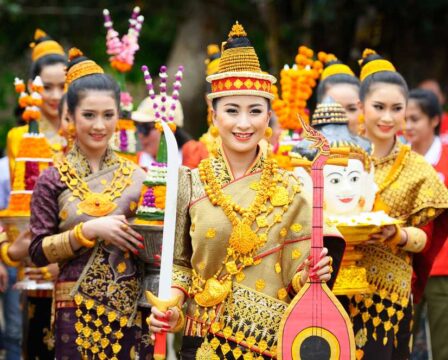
x=243 y=239
x=96 y=204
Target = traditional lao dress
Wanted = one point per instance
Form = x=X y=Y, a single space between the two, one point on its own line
x=237 y=313
x=409 y=190
x=98 y=289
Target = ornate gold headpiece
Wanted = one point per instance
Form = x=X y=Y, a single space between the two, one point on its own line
x=333 y=66
x=239 y=71
x=374 y=66
x=83 y=68
x=44 y=47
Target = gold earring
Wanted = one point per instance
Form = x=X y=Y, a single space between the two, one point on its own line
x=268 y=132
x=214 y=131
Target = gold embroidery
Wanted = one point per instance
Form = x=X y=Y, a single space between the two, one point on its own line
x=211 y=233
x=296 y=254
x=260 y=284
x=296 y=228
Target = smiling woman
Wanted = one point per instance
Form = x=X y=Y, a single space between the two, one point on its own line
x=243 y=226
x=409 y=190
x=80 y=210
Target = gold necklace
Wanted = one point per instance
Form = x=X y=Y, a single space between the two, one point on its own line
x=92 y=203
x=243 y=242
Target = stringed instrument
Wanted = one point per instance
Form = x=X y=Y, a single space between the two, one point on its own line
x=315 y=326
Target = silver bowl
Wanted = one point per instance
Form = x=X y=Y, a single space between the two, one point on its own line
x=152 y=239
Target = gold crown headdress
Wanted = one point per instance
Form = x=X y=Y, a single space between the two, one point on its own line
x=333 y=66
x=239 y=71
x=375 y=65
x=43 y=45
x=82 y=68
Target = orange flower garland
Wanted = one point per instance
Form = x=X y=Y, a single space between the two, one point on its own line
x=297 y=85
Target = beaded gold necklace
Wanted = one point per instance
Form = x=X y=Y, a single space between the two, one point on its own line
x=244 y=242
x=92 y=203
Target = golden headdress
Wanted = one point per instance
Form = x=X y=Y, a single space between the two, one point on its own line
x=333 y=66
x=212 y=61
x=239 y=71
x=43 y=45
x=372 y=63
x=80 y=66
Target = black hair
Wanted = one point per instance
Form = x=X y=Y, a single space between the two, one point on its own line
x=387 y=77
x=215 y=103
x=145 y=128
x=61 y=105
x=50 y=59
x=100 y=82
x=335 y=79
x=428 y=103
x=236 y=42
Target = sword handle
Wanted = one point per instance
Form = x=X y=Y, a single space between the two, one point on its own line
x=160 y=346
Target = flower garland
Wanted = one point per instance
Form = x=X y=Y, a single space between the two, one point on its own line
x=297 y=85
x=123 y=51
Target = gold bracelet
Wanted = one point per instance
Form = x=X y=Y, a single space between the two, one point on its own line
x=57 y=248
x=5 y=257
x=180 y=322
x=296 y=282
x=81 y=239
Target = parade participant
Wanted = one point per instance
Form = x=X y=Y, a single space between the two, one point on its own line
x=49 y=63
x=80 y=211
x=434 y=86
x=191 y=152
x=409 y=190
x=423 y=121
x=243 y=226
x=423 y=116
x=340 y=83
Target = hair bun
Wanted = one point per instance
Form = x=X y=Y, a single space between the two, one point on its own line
x=368 y=52
x=326 y=58
x=212 y=49
x=74 y=53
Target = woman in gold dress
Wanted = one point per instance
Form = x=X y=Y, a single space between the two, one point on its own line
x=409 y=190
x=243 y=226
x=79 y=218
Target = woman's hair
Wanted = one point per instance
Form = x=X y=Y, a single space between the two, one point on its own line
x=51 y=59
x=215 y=103
x=97 y=82
x=386 y=77
x=335 y=79
x=61 y=105
x=428 y=103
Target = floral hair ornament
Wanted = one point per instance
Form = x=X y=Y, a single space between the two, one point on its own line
x=165 y=110
x=372 y=63
x=333 y=66
x=43 y=45
x=123 y=51
x=30 y=102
